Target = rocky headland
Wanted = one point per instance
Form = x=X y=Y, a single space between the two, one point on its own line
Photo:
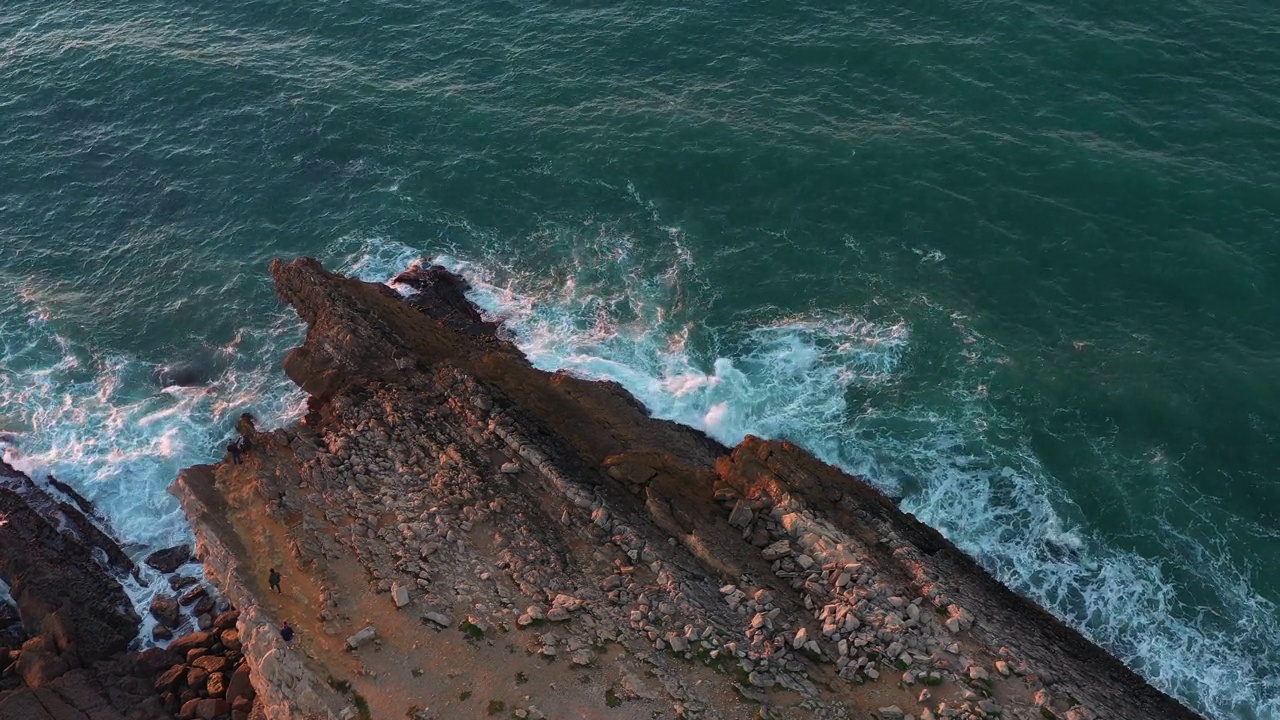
x=461 y=535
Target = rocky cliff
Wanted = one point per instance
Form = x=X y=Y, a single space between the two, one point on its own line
x=463 y=535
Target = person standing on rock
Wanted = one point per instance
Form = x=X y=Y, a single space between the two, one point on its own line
x=234 y=449
x=273 y=579
x=286 y=633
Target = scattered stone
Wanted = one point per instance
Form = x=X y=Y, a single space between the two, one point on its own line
x=169 y=677
x=216 y=685
x=399 y=595
x=226 y=620
x=193 y=595
x=200 y=638
x=355 y=641
x=800 y=638
x=741 y=515
x=777 y=550
x=438 y=618
x=165 y=609
x=230 y=639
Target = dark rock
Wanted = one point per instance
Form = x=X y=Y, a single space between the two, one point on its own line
x=80 y=501
x=230 y=639
x=196 y=677
x=216 y=686
x=149 y=708
x=153 y=660
x=118 y=563
x=84 y=521
x=38 y=666
x=195 y=653
x=194 y=594
x=178 y=582
x=442 y=295
x=182 y=375
x=170 y=559
x=160 y=632
x=169 y=678
x=239 y=685
x=227 y=620
x=205 y=621
x=212 y=708
x=203 y=606
x=188 y=710
x=37 y=704
x=165 y=609
x=211 y=663
x=47 y=560
x=11 y=632
x=193 y=640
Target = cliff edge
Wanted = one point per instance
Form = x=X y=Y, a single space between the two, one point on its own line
x=462 y=535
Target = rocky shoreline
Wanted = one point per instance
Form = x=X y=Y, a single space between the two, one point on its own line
x=445 y=509
x=462 y=535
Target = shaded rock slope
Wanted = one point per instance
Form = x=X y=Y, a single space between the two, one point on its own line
x=463 y=535
x=67 y=657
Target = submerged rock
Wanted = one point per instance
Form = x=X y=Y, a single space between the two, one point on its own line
x=170 y=559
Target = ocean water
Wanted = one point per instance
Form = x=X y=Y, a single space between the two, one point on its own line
x=1014 y=262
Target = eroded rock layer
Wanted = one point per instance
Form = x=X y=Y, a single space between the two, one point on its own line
x=461 y=535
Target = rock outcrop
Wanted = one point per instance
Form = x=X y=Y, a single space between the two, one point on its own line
x=76 y=623
x=449 y=520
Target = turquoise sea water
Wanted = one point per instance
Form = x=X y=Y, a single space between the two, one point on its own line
x=1013 y=261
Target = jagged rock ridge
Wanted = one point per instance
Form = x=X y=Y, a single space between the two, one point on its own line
x=526 y=510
